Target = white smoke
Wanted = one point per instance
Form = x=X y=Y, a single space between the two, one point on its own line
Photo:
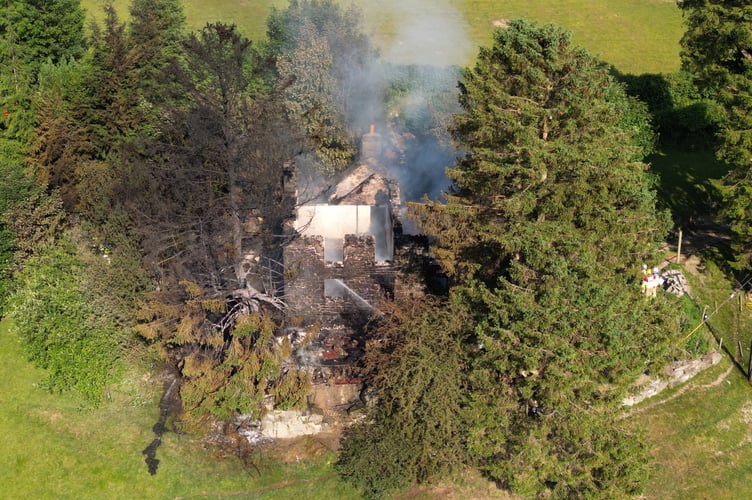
x=429 y=32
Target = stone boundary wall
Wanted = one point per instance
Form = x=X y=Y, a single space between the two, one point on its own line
x=676 y=373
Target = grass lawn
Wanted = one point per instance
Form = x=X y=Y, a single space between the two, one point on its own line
x=729 y=318
x=53 y=448
x=700 y=433
x=249 y=15
x=636 y=36
x=700 y=437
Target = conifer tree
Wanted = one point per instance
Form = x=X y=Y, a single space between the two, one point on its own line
x=156 y=33
x=323 y=63
x=549 y=222
x=415 y=373
x=717 y=49
x=33 y=31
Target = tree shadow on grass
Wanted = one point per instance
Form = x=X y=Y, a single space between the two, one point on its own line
x=686 y=122
x=686 y=181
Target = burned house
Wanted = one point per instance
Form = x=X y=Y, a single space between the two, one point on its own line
x=341 y=263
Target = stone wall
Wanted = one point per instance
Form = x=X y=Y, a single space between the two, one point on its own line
x=675 y=374
x=306 y=272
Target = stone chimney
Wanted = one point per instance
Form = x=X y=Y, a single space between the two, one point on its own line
x=371 y=145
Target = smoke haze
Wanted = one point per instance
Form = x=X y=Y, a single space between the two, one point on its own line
x=432 y=35
x=421 y=32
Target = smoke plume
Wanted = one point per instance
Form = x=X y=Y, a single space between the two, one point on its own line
x=428 y=44
x=429 y=32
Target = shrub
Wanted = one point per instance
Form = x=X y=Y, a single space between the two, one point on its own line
x=53 y=313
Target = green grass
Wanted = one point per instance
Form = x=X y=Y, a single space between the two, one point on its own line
x=636 y=36
x=701 y=441
x=729 y=318
x=700 y=433
x=249 y=15
x=54 y=448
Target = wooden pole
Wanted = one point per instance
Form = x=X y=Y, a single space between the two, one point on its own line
x=749 y=365
x=678 y=248
x=740 y=353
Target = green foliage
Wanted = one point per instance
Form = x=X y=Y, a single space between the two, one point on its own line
x=375 y=460
x=157 y=23
x=221 y=61
x=15 y=186
x=636 y=36
x=115 y=111
x=36 y=220
x=551 y=216
x=546 y=145
x=416 y=375
x=606 y=460
x=717 y=48
x=53 y=314
x=155 y=35
x=324 y=64
x=682 y=113
x=34 y=31
x=312 y=100
x=61 y=153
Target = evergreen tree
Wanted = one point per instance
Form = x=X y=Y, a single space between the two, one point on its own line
x=327 y=66
x=217 y=158
x=34 y=31
x=415 y=373
x=156 y=34
x=311 y=96
x=717 y=48
x=206 y=196
x=550 y=218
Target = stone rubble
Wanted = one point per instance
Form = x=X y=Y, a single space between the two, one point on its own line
x=675 y=282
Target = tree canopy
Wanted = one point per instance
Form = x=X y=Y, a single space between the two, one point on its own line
x=414 y=432
x=717 y=49
x=33 y=31
x=158 y=160
x=323 y=61
x=550 y=218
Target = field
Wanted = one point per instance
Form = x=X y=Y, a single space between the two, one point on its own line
x=53 y=448
x=701 y=437
x=636 y=36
